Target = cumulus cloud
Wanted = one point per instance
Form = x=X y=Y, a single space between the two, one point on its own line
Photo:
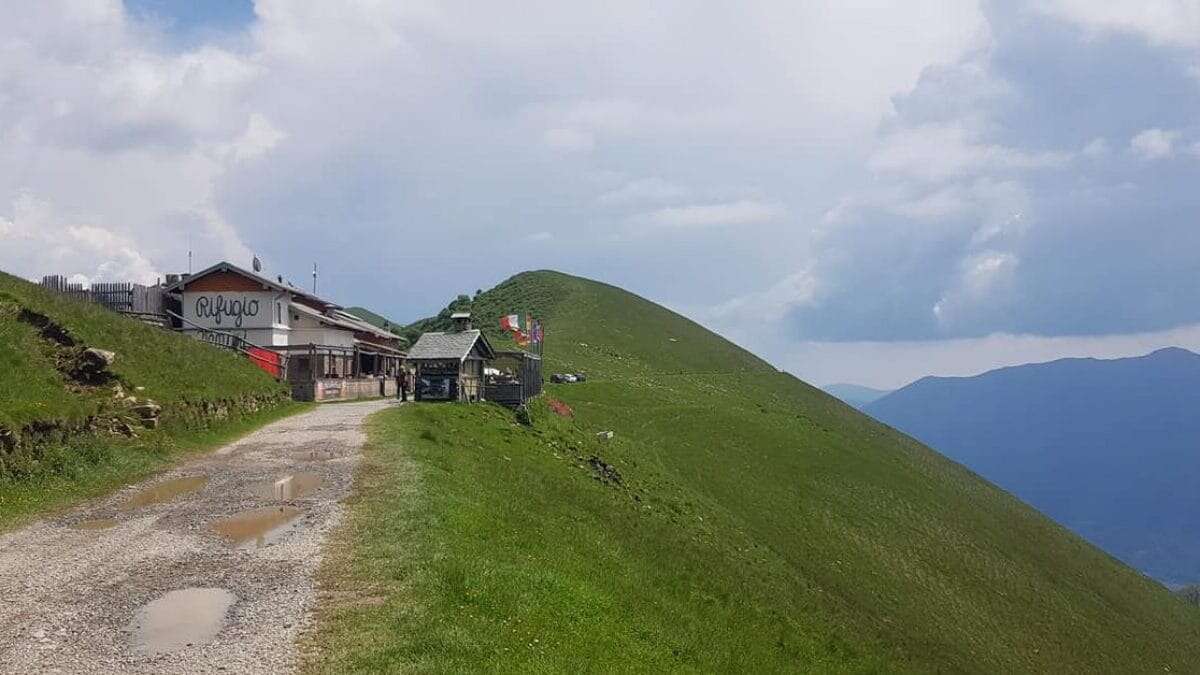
x=937 y=152
x=117 y=181
x=1154 y=144
x=34 y=238
x=786 y=294
x=743 y=212
x=898 y=156
x=653 y=189
x=998 y=202
x=984 y=278
x=1096 y=148
x=1168 y=22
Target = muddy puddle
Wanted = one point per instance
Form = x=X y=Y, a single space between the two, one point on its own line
x=259 y=527
x=288 y=487
x=167 y=491
x=95 y=524
x=181 y=618
x=317 y=455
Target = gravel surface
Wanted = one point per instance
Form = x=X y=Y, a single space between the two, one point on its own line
x=77 y=591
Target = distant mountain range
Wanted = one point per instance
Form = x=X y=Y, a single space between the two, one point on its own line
x=1108 y=448
x=855 y=394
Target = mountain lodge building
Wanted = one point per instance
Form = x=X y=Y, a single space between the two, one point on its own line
x=330 y=354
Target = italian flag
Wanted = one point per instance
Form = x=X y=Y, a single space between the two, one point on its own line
x=512 y=323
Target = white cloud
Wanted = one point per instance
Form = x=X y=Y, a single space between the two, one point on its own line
x=942 y=151
x=569 y=140
x=769 y=306
x=119 y=179
x=651 y=189
x=33 y=242
x=1154 y=144
x=1096 y=148
x=995 y=206
x=242 y=138
x=744 y=212
x=257 y=140
x=983 y=279
x=1167 y=22
x=433 y=123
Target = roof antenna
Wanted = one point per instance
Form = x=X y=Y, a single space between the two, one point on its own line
x=314 y=278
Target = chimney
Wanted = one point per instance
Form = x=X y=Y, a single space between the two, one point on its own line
x=462 y=321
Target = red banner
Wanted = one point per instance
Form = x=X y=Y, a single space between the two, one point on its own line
x=269 y=361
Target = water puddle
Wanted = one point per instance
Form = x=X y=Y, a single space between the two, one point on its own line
x=95 y=524
x=167 y=491
x=317 y=455
x=188 y=616
x=257 y=528
x=289 y=487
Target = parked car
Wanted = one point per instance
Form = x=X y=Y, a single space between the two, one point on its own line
x=567 y=378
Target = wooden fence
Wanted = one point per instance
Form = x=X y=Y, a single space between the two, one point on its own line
x=119 y=296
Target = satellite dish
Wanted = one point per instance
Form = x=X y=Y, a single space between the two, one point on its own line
x=257 y=264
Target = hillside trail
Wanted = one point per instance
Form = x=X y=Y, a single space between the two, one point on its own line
x=208 y=567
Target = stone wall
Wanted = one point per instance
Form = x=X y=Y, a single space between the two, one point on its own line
x=336 y=389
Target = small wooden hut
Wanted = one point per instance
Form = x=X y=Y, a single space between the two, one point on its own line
x=449 y=366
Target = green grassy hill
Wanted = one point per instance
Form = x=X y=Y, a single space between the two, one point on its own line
x=56 y=430
x=374 y=319
x=738 y=520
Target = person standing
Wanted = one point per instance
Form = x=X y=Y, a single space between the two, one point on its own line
x=402 y=385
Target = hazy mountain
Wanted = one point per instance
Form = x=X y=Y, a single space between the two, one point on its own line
x=855 y=394
x=1109 y=448
x=374 y=319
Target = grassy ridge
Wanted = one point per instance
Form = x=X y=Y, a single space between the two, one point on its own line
x=173 y=369
x=208 y=395
x=759 y=525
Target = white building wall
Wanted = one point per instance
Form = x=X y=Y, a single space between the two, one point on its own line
x=236 y=310
x=262 y=317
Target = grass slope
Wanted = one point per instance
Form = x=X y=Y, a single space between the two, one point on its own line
x=760 y=525
x=207 y=395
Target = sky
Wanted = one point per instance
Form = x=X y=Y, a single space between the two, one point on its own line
x=858 y=191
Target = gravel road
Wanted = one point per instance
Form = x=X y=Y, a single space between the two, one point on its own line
x=206 y=568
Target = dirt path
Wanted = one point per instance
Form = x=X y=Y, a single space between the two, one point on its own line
x=206 y=568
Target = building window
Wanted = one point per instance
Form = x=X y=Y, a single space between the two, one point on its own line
x=279 y=312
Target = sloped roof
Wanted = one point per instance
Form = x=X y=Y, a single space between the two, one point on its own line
x=340 y=319
x=254 y=276
x=363 y=326
x=447 y=345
